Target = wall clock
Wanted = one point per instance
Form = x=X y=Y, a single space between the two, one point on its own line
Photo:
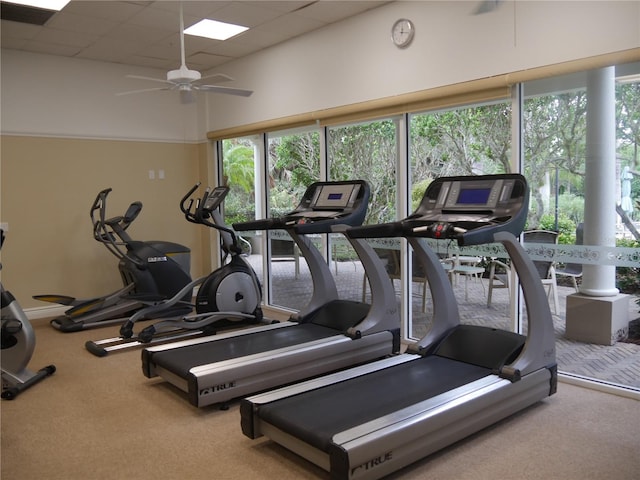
x=402 y=32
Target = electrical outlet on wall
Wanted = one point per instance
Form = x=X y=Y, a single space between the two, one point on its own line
x=4 y=226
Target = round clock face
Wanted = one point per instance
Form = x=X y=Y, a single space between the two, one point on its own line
x=402 y=32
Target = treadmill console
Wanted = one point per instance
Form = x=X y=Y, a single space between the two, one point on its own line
x=471 y=209
x=323 y=204
x=468 y=209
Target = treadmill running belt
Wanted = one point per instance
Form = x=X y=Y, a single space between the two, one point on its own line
x=181 y=360
x=317 y=415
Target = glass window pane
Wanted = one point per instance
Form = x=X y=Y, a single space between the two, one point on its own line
x=555 y=133
x=368 y=152
x=293 y=164
x=473 y=140
x=239 y=161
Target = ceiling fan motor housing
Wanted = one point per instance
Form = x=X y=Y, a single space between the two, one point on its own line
x=183 y=75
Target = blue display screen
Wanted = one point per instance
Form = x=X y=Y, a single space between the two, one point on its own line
x=474 y=196
x=333 y=196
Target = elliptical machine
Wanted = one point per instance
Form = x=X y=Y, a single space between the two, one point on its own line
x=227 y=297
x=151 y=272
x=18 y=344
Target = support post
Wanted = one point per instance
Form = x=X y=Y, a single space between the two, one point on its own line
x=598 y=291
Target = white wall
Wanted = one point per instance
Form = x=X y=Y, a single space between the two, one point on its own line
x=354 y=61
x=58 y=96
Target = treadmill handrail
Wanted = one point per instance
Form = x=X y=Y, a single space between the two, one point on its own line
x=540 y=345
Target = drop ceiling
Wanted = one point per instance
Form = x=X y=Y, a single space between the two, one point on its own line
x=146 y=33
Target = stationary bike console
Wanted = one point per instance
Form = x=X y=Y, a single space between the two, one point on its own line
x=323 y=205
x=468 y=209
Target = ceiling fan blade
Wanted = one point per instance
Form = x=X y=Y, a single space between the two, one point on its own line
x=156 y=89
x=151 y=79
x=217 y=78
x=486 y=6
x=228 y=90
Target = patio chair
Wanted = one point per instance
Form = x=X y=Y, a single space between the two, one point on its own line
x=464 y=265
x=573 y=270
x=500 y=272
x=499 y=277
x=546 y=268
x=391 y=259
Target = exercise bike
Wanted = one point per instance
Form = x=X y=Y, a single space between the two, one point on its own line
x=151 y=272
x=227 y=297
x=18 y=344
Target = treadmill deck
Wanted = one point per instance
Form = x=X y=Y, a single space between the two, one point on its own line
x=181 y=361
x=317 y=415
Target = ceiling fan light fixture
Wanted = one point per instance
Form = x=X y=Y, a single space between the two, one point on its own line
x=215 y=30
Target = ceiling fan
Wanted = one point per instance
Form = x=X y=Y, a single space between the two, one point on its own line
x=487 y=6
x=185 y=80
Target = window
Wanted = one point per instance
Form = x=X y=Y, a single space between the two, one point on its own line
x=470 y=140
x=365 y=151
x=399 y=156
x=240 y=160
x=293 y=164
x=555 y=162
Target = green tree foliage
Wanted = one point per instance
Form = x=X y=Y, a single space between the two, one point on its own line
x=554 y=140
x=294 y=160
x=239 y=176
x=239 y=167
x=294 y=164
x=565 y=227
x=628 y=117
x=367 y=152
x=465 y=141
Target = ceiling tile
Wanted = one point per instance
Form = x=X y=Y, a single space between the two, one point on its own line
x=65 y=37
x=18 y=30
x=115 y=11
x=81 y=23
x=146 y=33
x=51 y=49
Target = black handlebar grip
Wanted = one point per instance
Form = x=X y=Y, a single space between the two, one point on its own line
x=265 y=224
x=393 y=229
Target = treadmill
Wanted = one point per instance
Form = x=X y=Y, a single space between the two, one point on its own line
x=327 y=335
x=369 y=421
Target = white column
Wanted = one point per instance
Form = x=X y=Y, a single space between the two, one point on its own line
x=600 y=179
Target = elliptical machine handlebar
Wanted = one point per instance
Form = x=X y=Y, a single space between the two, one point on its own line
x=202 y=210
x=108 y=230
x=186 y=203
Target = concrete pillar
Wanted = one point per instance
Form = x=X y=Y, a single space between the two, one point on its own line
x=600 y=179
x=598 y=314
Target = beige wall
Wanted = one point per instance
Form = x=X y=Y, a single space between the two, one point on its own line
x=48 y=186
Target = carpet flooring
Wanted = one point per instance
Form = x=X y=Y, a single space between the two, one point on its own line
x=100 y=418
